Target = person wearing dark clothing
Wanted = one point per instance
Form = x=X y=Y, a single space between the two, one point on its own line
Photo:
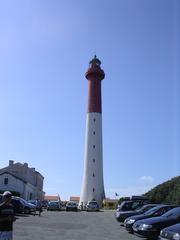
x=39 y=207
x=6 y=217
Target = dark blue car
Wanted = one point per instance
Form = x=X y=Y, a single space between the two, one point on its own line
x=150 y=228
x=170 y=233
x=153 y=212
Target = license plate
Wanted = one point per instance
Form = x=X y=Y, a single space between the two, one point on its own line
x=161 y=238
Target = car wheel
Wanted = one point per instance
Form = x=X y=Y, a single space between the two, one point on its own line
x=26 y=210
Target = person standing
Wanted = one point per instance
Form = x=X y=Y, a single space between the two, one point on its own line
x=39 y=207
x=6 y=217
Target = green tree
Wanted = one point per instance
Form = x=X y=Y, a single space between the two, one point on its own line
x=167 y=192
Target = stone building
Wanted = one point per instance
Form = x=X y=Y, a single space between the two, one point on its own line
x=23 y=179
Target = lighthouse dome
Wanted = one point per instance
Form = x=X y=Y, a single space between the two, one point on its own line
x=95 y=61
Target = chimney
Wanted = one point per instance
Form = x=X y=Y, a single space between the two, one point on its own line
x=11 y=163
x=25 y=165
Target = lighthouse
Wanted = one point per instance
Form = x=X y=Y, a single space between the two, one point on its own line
x=93 y=183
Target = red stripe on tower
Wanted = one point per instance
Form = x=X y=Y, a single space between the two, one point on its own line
x=94 y=74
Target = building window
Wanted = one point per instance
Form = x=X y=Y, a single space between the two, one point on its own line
x=93 y=175
x=94 y=119
x=93 y=146
x=30 y=196
x=93 y=160
x=94 y=132
x=5 y=181
x=93 y=189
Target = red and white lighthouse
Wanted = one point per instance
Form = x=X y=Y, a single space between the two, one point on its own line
x=93 y=184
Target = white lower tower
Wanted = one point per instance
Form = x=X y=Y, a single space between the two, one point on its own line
x=93 y=184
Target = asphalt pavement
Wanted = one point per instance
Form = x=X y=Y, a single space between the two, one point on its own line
x=70 y=226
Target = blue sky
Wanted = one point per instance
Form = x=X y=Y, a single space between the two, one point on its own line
x=45 y=48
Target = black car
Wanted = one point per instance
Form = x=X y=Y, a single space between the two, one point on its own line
x=157 y=211
x=170 y=233
x=122 y=215
x=150 y=228
x=71 y=206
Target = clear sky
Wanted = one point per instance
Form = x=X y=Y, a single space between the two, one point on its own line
x=45 y=48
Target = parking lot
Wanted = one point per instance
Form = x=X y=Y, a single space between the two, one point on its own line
x=70 y=226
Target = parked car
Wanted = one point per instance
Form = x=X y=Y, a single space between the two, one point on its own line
x=132 y=205
x=170 y=233
x=1 y=197
x=82 y=207
x=92 y=206
x=28 y=207
x=150 y=228
x=122 y=215
x=153 y=212
x=54 y=205
x=33 y=202
x=71 y=206
x=44 y=203
x=133 y=198
x=18 y=205
x=37 y=203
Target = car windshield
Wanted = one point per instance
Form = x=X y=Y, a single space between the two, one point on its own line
x=71 y=204
x=142 y=208
x=152 y=210
x=173 y=212
x=93 y=203
x=125 y=203
x=53 y=203
x=135 y=205
x=33 y=202
x=23 y=201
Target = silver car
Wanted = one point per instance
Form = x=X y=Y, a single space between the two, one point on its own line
x=92 y=206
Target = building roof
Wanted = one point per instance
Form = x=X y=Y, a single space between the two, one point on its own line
x=52 y=198
x=19 y=165
x=7 y=172
x=110 y=200
x=72 y=198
